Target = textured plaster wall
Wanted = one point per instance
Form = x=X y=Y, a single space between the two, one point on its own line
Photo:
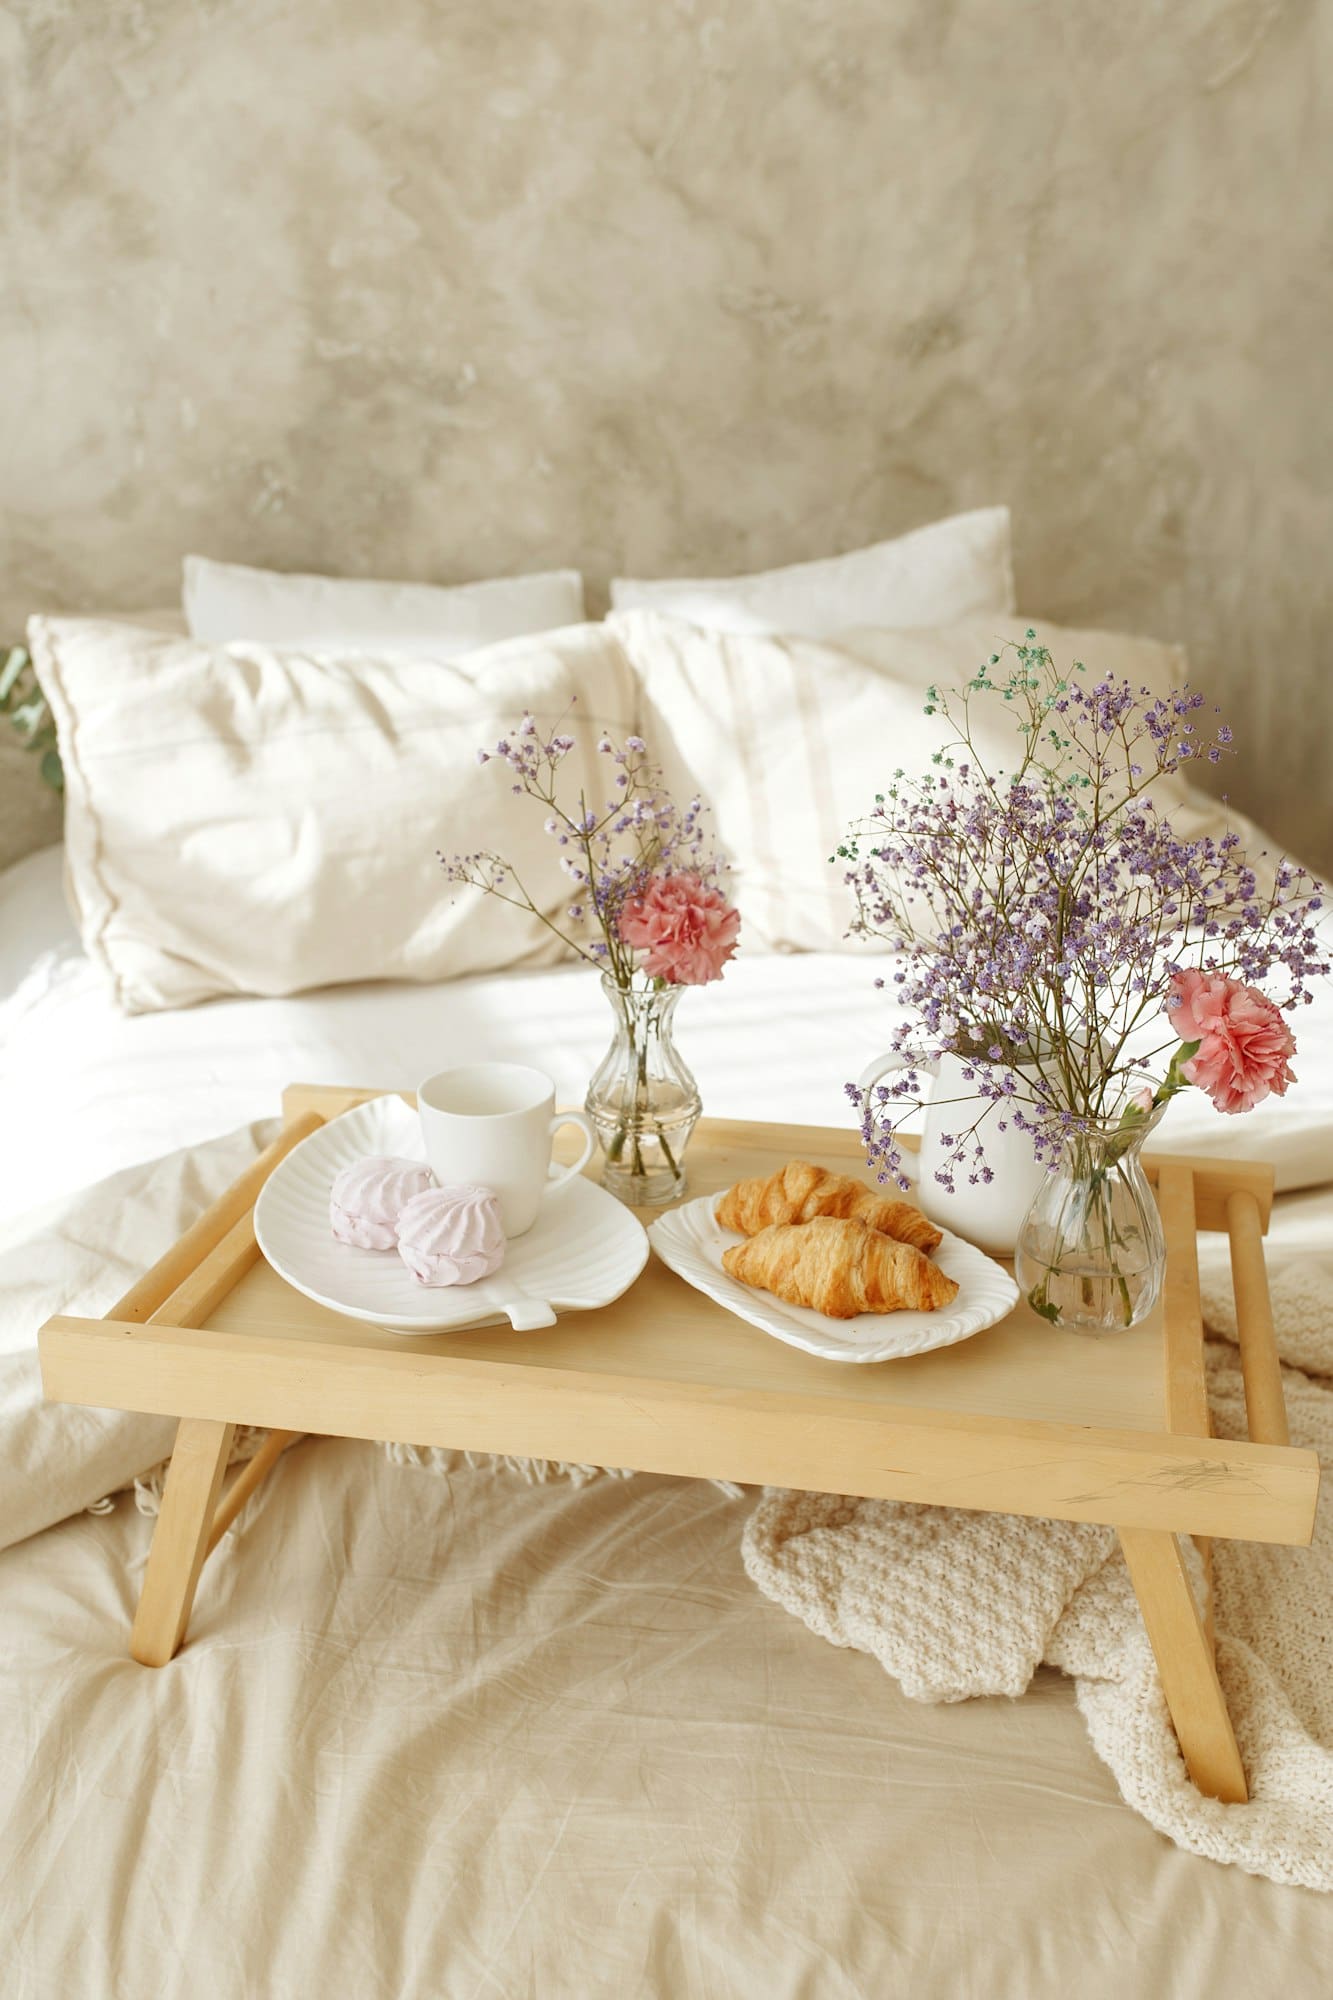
x=440 y=290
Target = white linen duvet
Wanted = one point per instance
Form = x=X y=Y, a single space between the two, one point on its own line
x=480 y=1737
x=86 y=1090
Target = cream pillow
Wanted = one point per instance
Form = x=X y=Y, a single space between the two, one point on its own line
x=790 y=739
x=935 y=574
x=227 y=601
x=242 y=820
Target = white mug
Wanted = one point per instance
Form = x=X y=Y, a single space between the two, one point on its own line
x=991 y=1213
x=492 y=1124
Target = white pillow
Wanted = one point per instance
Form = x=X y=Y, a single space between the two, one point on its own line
x=936 y=574
x=790 y=739
x=226 y=601
x=241 y=820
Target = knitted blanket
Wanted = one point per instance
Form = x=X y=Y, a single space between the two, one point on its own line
x=956 y=1604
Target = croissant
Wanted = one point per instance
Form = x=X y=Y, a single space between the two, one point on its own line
x=799 y=1191
x=839 y=1267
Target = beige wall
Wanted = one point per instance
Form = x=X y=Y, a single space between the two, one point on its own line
x=438 y=290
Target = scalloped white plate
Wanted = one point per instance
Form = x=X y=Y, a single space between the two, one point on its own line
x=583 y=1250
x=691 y=1241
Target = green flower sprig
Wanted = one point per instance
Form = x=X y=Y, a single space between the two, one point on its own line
x=25 y=707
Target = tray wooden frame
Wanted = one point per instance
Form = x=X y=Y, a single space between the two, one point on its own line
x=666 y=1381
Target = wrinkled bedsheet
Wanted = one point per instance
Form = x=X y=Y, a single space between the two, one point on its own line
x=464 y=1736
x=467 y=1736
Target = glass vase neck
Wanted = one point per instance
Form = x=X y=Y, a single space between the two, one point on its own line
x=1112 y=1139
x=640 y=1000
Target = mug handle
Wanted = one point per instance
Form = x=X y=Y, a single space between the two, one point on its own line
x=561 y=1176
x=870 y=1076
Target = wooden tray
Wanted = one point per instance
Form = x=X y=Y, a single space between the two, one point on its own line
x=1022 y=1418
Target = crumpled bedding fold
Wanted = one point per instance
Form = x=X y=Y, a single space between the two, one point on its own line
x=956 y=1604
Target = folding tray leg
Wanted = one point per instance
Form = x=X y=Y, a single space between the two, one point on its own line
x=1261 y=1367
x=181 y=1538
x=1182 y=1638
x=247 y=1481
x=181 y=1290
x=1185 y=1662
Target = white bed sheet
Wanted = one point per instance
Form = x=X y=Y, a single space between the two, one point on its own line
x=483 y=1738
x=86 y=1090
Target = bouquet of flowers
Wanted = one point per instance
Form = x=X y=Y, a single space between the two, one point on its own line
x=647 y=909
x=1081 y=959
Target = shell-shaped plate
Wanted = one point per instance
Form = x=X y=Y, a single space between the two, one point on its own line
x=584 y=1249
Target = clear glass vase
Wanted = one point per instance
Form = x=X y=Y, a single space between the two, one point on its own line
x=1091 y=1252
x=642 y=1100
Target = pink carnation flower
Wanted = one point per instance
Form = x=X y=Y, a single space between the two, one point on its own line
x=1244 y=1043
x=685 y=930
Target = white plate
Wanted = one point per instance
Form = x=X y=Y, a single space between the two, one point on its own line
x=691 y=1241
x=583 y=1250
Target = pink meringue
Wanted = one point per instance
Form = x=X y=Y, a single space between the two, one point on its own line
x=451 y=1236
x=367 y=1198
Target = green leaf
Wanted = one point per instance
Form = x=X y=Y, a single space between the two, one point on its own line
x=29 y=717
x=15 y=661
x=53 y=771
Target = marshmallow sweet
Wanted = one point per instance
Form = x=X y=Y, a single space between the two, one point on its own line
x=368 y=1197
x=451 y=1236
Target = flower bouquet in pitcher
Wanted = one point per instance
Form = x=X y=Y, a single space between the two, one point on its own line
x=646 y=909
x=1067 y=962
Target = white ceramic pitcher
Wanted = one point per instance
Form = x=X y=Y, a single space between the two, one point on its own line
x=991 y=1213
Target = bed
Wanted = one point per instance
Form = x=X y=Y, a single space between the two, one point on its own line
x=464 y=1734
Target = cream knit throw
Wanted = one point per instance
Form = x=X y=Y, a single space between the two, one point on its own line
x=954 y=1604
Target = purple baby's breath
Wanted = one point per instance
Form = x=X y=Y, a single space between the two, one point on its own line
x=1037 y=914
x=612 y=849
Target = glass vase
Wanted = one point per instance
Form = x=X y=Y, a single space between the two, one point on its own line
x=1091 y=1252
x=643 y=1101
